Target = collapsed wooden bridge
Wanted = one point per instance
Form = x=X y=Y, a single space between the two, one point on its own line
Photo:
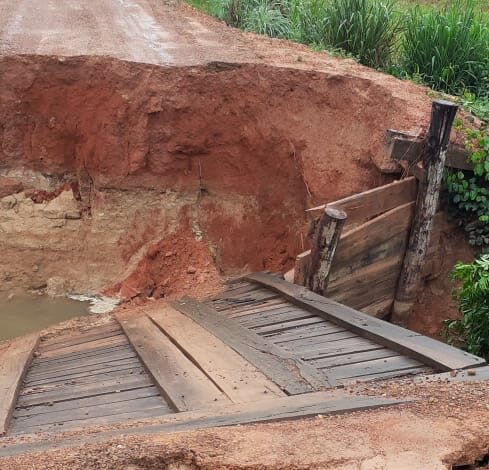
x=264 y=349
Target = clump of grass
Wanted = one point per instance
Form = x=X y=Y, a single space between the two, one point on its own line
x=448 y=49
x=366 y=29
x=267 y=18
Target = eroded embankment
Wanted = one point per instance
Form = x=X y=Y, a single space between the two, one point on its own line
x=147 y=178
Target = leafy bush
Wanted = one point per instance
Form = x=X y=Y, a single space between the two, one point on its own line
x=366 y=29
x=468 y=191
x=473 y=300
x=448 y=49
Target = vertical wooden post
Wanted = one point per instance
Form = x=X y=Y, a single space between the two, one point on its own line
x=326 y=238
x=434 y=156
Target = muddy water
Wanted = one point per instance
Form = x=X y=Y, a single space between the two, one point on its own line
x=23 y=315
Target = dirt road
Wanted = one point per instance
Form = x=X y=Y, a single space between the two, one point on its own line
x=149 y=31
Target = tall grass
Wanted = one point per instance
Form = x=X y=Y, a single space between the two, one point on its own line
x=448 y=49
x=366 y=29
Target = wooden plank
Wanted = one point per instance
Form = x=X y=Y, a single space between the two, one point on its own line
x=382 y=237
x=355 y=245
x=74 y=356
x=353 y=358
x=182 y=384
x=287 y=408
x=282 y=317
x=411 y=149
x=50 y=394
x=81 y=364
x=419 y=347
x=85 y=413
x=291 y=374
x=324 y=341
x=92 y=401
x=288 y=325
x=235 y=376
x=89 y=372
x=304 y=332
x=376 y=366
x=362 y=207
x=96 y=330
x=14 y=360
x=387 y=375
x=368 y=284
x=82 y=348
x=83 y=340
x=380 y=308
x=342 y=346
x=274 y=304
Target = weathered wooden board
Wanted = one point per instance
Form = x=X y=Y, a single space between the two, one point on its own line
x=236 y=377
x=361 y=207
x=356 y=245
x=83 y=347
x=50 y=394
x=354 y=358
x=286 y=408
x=14 y=360
x=411 y=149
x=180 y=381
x=290 y=373
x=419 y=347
x=85 y=415
x=373 y=367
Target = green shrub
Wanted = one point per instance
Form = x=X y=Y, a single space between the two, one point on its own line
x=448 y=49
x=468 y=191
x=366 y=29
x=473 y=301
x=266 y=18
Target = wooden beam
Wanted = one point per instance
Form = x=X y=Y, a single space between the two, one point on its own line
x=291 y=374
x=235 y=376
x=14 y=361
x=426 y=350
x=184 y=386
x=363 y=206
x=411 y=149
x=326 y=238
x=442 y=117
x=286 y=408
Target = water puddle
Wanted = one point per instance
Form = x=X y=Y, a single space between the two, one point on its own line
x=23 y=315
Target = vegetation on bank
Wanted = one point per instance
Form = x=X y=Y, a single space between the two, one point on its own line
x=472 y=330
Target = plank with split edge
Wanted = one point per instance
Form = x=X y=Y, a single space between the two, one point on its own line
x=83 y=340
x=14 y=360
x=273 y=361
x=180 y=381
x=427 y=350
x=235 y=376
x=286 y=408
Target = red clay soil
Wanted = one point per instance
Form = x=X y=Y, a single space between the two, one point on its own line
x=201 y=130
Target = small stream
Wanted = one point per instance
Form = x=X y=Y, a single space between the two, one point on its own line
x=22 y=315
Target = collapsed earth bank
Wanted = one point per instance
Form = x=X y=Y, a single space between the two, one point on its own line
x=144 y=179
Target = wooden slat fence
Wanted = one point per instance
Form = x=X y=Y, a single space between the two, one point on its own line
x=369 y=255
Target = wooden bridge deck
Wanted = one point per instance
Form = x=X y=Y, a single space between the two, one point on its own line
x=92 y=378
x=263 y=349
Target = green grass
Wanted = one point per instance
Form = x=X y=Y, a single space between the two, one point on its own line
x=441 y=43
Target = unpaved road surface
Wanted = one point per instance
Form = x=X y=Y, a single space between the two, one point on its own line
x=147 y=31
